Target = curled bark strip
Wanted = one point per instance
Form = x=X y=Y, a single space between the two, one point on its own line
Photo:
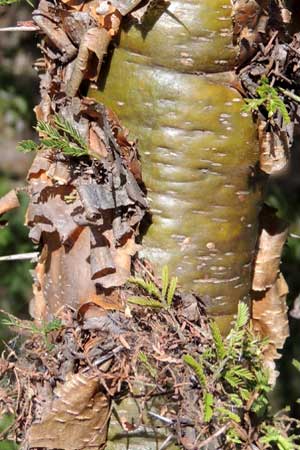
x=274 y=152
x=9 y=201
x=125 y=6
x=269 y=309
x=95 y=42
x=272 y=238
x=269 y=312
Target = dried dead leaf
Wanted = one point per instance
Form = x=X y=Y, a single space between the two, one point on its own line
x=111 y=323
x=9 y=201
x=96 y=144
x=110 y=301
x=77 y=419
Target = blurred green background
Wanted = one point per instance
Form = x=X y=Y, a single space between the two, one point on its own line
x=18 y=96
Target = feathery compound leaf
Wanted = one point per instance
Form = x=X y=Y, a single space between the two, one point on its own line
x=197 y=367
x=208 y=401
x=233 y=437
x=232 y=379
x=252 y=104
x=54 y=325
x=236 y=375
x=144 y=359
x=63 y=136
x=268 y=96
x=145 y=301
x=236 y=400
x=27 y=146
x=47 y=130
x=218 y=340
x=65 y=126
x=244 y=393
x=243 y=373
x=164 y=281
x=296 y=364
x=72 y=149
x=171 y=291
x=148 y=286
x=272 y=435
x=226 y=414
x=242 y=315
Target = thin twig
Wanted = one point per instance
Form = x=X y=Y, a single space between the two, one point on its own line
x=213 y=436
x=166 y=443
x=161 y=418
x=22 y=28
x=20 y=256
x=290 y=94
x=295 y=236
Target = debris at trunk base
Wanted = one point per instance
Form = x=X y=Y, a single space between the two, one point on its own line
x=163 y=373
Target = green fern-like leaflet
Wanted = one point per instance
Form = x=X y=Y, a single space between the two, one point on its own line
x=156 y=298
x=268 y=97
x=61 y=136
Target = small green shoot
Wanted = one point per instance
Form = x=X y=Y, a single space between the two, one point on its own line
x=197 y=367
x=268 y=97
x=61 y=136
x=208 y=402
x=218 y=340
x=11 y=2
x=144 y=360
x=226 y=415
x=156 y=298
x=145 y=301
x=235 y=366
x=296 y=364
x=43 y=330
x=27 y=146
x=164 y=281
x=275 y=437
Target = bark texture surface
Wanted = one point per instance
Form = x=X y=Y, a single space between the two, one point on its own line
x=198 y=148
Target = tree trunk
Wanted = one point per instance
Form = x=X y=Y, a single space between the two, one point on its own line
x=170 y=81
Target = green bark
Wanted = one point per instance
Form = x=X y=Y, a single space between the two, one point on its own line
x=169 y=82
